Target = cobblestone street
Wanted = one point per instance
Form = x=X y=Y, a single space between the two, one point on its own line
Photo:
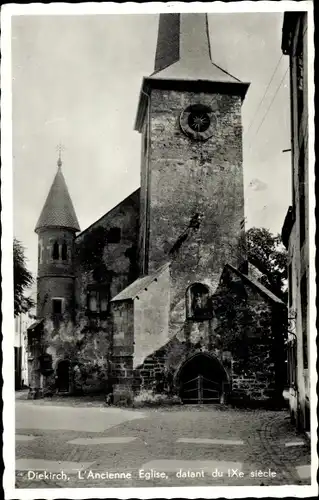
x=178 y=446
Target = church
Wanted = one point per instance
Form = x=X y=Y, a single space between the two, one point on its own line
x=158 y=292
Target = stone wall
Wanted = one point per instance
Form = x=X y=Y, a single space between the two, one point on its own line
x=187 y=178
x=122 y=349
x=102 y=261
x=55 y=287
x=247 y=347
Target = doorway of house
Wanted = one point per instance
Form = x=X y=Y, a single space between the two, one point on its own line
x=63 y=376
x=202 y=380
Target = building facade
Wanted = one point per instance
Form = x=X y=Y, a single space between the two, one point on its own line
x=147 y=292
x=295 y=231
x=21 y=325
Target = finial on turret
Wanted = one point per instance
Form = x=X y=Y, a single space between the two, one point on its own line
x=60 y=148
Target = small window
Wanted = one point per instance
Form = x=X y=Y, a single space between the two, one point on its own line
x=198 y=302
x=55 y=251
x=64 y=253
x=98 y=300
x=145 y=142
x=292 y=364
x=114 y=235
x=104 y=301
x=119 y=338
x=57 y=306
x=92 y=301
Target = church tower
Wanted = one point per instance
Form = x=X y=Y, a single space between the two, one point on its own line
x=192 y=196
x=56 y=229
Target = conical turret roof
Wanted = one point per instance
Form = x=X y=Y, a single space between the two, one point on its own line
x=58 y=210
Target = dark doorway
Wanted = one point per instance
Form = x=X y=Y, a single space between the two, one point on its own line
x=202 y=380
x=63 y=376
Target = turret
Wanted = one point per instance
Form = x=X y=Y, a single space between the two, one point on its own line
x=56 y=230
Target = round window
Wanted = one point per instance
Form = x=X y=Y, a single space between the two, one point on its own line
x=198 y=122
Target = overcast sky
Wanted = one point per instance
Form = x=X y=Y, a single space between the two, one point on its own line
x=76 y=80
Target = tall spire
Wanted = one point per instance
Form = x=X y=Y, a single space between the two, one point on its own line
x=183 y=50
x=58 y=210
x=183 y=61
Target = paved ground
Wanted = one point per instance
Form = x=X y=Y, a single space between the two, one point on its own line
x=182 y=446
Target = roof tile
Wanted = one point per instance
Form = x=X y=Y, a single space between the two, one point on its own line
x=58 y=210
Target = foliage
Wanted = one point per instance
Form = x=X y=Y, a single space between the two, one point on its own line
x=245 y=327
x=86 y=352
x=149 y=398
x=266 y=252
x=22 y=280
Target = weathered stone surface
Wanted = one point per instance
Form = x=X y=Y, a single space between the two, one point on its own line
x=189 y=215
x=186 y=178
x=116 y=260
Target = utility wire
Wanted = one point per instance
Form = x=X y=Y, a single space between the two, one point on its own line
x=275 y=94
x=263 y=97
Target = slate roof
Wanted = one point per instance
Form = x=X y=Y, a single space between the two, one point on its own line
x=132 y=291
x=58 y=210
x=261 y=288
x=183 y=58
x=36 y=323
x=183 y=50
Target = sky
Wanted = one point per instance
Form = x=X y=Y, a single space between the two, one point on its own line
x=76 y=81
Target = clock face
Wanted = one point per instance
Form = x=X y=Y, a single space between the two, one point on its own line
x=198 y=122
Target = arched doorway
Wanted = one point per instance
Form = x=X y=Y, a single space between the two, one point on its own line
x=202 y=380
x=63 y=376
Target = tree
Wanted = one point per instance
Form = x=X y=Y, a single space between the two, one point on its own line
x=22 y=280
x=266 y=252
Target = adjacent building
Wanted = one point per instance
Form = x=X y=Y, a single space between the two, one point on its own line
x=295 y=231
x=21 y=324
x=156 y=293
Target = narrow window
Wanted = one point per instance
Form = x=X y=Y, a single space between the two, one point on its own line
x=290 y=284
x=41 y=252
x=64 y=253
x=304 y=322
x=92 y=301
x=118 y=338
x=145 y=142
x=292 y=364
x=57 y=306
x=104 y=302
x=55 y=251
x=114 y=235
x=198 y=304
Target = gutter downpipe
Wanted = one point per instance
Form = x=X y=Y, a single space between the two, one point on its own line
x=146 y=231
